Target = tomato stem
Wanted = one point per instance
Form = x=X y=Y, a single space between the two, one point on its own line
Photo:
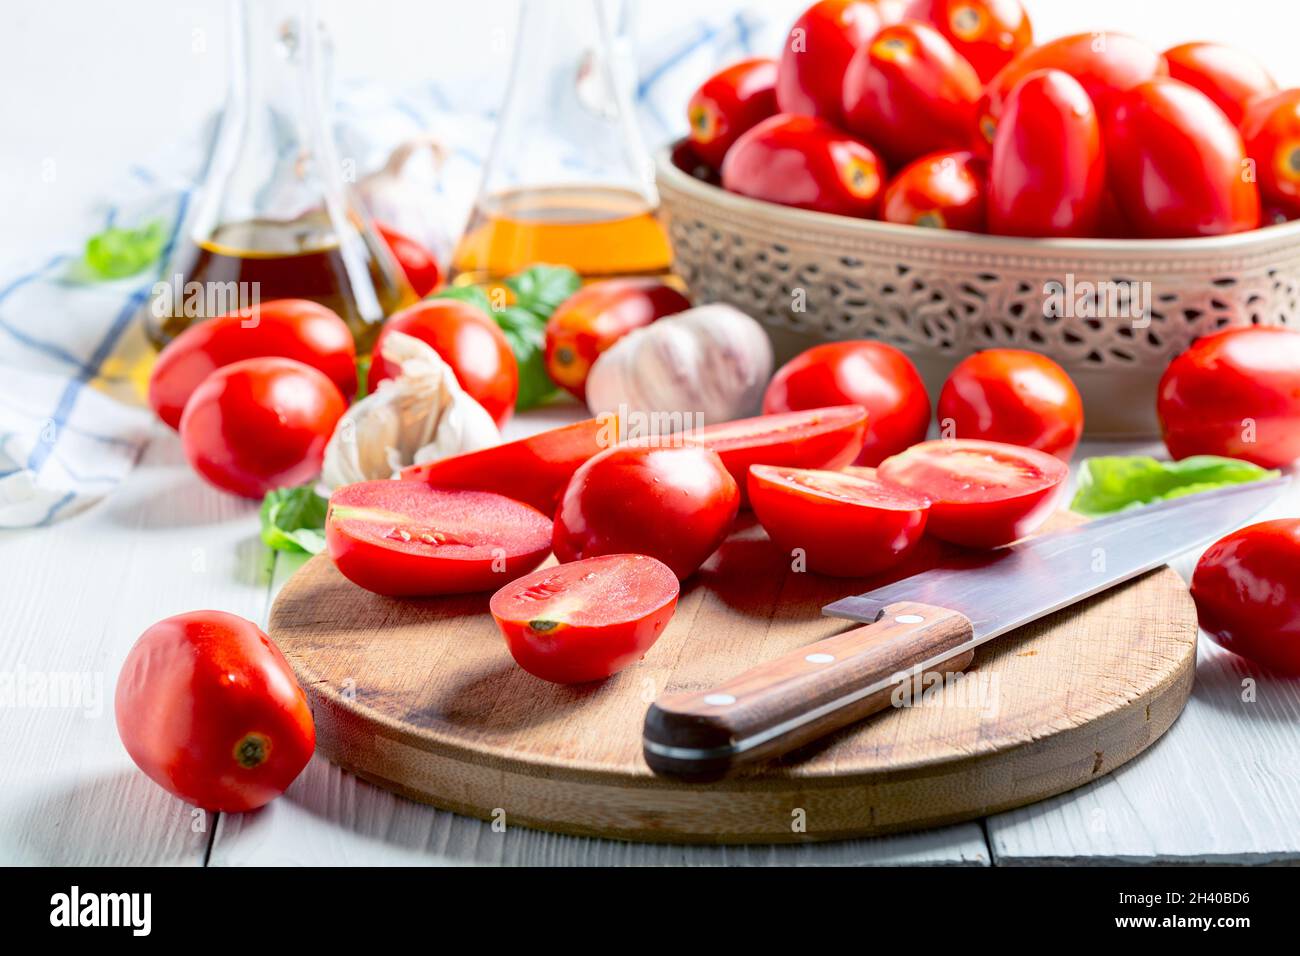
x=252 y=750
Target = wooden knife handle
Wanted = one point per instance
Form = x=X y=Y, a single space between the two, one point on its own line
x=788 y=702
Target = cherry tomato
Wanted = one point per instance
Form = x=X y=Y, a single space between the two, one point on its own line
x=1230 y=77
x=675 y=504
x=845 y=525
x=418 y=264
x=941 y=191
x=1009 y=395
x=983 y=494
x=403 y=538
x=728 y=103
x=1177 y=165
x=1271 y=129
x=260 y=424
x=988 y=33
x=588 y=619
x=467 y=340
x=597 y=316
x=290 y=328
x=1247 y=593
x=1235 y=393
x=874 y=375
x=909 y=93
x=209 y=708
x=807 y=163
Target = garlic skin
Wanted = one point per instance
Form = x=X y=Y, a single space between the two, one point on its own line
x=421 y=415
x=713 y=360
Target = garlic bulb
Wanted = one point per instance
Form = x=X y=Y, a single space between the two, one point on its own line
x=421 y=415
x=713 y=360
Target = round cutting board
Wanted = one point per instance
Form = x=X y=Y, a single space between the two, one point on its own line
x=421 y=697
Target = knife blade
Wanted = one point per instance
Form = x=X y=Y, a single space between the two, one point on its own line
x=932 y=620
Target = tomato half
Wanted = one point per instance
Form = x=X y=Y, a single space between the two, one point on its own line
x=588 y=619
x=845 y=525
x=403 y=538
x=1271 y=128
x=1232 y=78
x=419 y=265
x=988 y=33
x=209 y=708
x=728 y=103
x=298 y=329
x=983 y=494
x=946 y=190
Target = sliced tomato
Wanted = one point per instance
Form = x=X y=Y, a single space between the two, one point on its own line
x=844 y=524
x=403 y=538
x=586 y=620
x=983 y=493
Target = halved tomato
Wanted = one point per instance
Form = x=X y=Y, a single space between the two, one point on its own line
x=845 y=524
x=983 y=493
x=402 y=538
x=586 y=620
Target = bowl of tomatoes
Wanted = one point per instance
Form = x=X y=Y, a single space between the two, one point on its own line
x=937 y=178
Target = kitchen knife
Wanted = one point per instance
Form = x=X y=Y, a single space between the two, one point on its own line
x=930 y=622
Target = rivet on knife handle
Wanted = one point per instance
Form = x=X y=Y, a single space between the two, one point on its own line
x=785 y=703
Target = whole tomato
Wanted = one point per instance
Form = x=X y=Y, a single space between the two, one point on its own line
x=728 y=103
x=1012 y=396
x=1047 y=176
x=209 y=708
x=805 y=162
x=988 y=33
x=1235 y=393
x=1177 y=165
x=941 y=191
x=910 y=93
x=419 y=265
x=1232 y=78
x=1271 y=128
x=260 y=424
x=874 y=375
x=1247 y=593
x=467 y=340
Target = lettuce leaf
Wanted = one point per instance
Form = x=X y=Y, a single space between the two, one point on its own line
x=1114 y=483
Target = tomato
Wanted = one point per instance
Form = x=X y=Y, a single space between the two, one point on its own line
x=260 y=424
x=1247 y=593
x=942 y=191
x=982 y=493
x=728 y=103
x=675 y=504
x=209 y=709
x=1232 y=78
x=290 y=328
x=588 y=619
x=845 y=525
x=1009 y=395
x=988 y=33
x=1271 y=128
x=908 y=92
x=533 y=470
x=419 y=265
x=807 y=163
x=597 y=316
x=405 y=539
x=467 y=340
x=1235 y=393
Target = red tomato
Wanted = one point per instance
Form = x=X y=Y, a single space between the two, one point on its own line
x=586 y=620
x=467 y=340
x=260 y=424
x=403 y=538
x=1008 y=395
x=909 y=93
x=874 y=375
x=988 y=33
x=982 y=493
x=1177 y=165
x=807 y=163
x=845 y=525
x=1235 y=393
x=209 y=708
x=597 y=316
x=674 y=504
x=418 y=264
x=289 y=328
x=533 y=470
x=1048 y=172
x=941 y=191
x=1247 y=593
x=1271 y=129
x=1230 y=77
x=728 y=103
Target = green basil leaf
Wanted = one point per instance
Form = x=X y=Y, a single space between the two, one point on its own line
x=1115 y=483
x=526 y=333
x=472 y=294
x=121 y=251
x=293 y=519
x=540 y=289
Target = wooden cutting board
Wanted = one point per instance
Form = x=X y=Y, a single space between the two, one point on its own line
x=421 y=697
